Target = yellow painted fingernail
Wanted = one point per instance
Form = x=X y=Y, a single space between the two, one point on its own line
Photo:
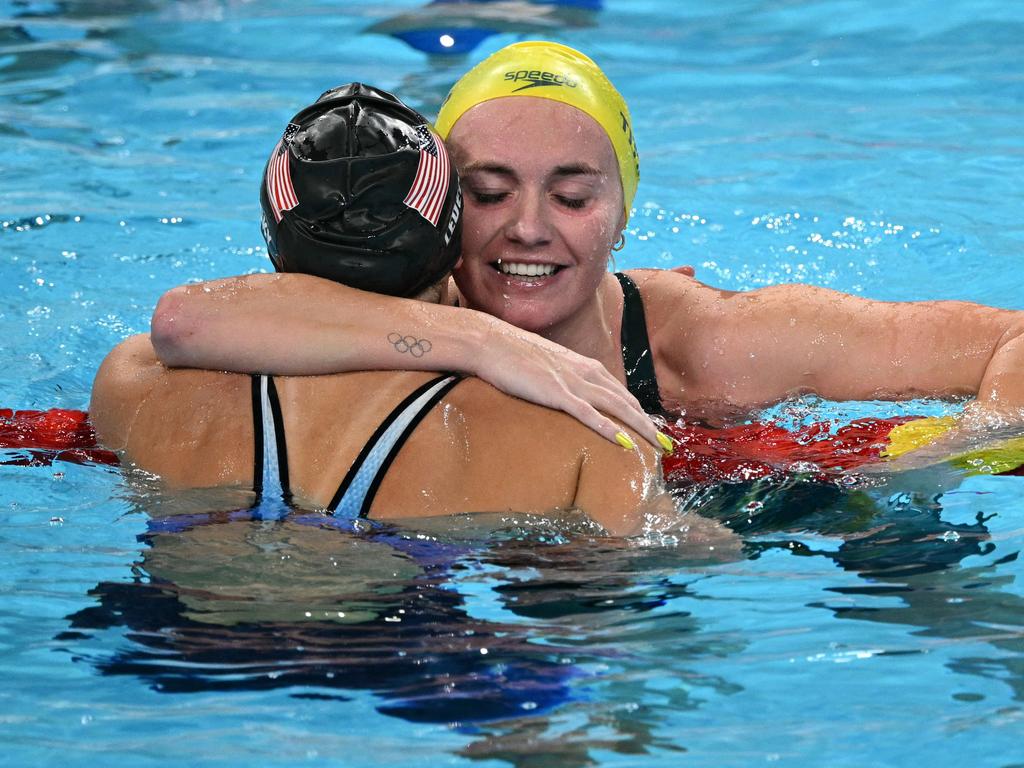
x=624 y=440
x=666 y=442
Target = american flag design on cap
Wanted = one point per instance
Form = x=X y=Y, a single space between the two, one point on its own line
x=430 y=187
x=279 y=177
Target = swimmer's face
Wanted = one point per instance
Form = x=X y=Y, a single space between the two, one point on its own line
x=543 y=206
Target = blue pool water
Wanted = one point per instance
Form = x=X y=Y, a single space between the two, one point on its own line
x=872 y=148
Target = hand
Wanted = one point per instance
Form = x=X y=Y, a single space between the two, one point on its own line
x=530 y=367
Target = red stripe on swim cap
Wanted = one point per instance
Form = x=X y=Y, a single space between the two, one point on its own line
x=279 y=182
x=430 y=185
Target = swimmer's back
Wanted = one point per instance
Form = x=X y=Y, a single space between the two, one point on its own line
x=477 y=450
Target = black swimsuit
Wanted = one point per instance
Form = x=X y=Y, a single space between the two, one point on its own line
x=636 y=349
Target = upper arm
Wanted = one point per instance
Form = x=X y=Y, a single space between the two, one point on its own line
x=624 y=492
x=756 y=347
x=125 y=378
x=848 y=347
x=618 y=487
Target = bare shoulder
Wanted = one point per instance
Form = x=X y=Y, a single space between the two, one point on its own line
x=132 y=353
x=135 y=398
x=683 y=316
x=665 y=289
x=677 y=303
x=496 y=413
x=571 y=465
x=621 y=490
x=660 y=281
x=676 y=300
x=125 y=377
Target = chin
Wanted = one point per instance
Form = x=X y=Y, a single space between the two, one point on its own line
x=522 y=314
x=539 y=320
x=537 y=313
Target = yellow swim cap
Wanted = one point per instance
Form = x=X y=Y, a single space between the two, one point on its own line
x=550 y=71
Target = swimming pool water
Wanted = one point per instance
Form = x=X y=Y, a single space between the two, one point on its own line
x=869 y=148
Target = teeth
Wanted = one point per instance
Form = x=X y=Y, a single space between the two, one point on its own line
x=526 y=270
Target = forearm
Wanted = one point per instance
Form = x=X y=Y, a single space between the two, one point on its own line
x=296 y=324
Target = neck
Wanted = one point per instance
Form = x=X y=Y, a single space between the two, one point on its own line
x=595 y=329
x=448 y=293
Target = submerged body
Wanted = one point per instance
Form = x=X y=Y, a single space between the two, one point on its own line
x=477 y=450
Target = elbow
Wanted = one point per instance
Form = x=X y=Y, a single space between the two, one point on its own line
x=1012 y=340
x=172 y=327
x=1017 y=329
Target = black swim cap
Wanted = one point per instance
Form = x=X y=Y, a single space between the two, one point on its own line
x=360 y=190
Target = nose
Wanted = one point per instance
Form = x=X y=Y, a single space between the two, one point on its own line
x=529 y=223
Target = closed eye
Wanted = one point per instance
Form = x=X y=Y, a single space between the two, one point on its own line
x=488 y=198
x=575 y=203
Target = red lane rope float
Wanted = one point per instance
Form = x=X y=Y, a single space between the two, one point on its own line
x=753 y=451
x=42 y=437
x=732 y=454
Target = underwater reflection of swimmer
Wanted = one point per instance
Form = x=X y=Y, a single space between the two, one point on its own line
x=860 y=482
x=423 y=620
x=254 y=606
x=453 y=27
x=882 y=534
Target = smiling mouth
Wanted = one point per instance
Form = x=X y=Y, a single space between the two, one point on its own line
x=520 y=269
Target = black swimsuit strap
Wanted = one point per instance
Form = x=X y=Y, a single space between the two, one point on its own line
x=636 y=349
x=357 y=490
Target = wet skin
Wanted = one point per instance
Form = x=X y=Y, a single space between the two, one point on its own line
x=542 y=193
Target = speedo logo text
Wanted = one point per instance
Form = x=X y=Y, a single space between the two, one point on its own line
x=538 y=78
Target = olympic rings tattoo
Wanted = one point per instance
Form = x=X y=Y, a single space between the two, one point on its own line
x=412 y=345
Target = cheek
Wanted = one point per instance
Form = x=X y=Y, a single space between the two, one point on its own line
x=596 y=236
x=477 y=228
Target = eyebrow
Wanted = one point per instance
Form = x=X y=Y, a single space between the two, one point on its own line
x=576 y=169
x=572 y=169
x=496 y=168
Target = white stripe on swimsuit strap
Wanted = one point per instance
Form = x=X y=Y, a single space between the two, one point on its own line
x=351 y=503
x=272 y=489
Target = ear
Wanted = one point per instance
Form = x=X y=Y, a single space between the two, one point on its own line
x=620 y=228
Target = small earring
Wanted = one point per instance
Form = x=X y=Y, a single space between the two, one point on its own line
x=621 y=242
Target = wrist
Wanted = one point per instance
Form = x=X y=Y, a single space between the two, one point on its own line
x=478 y=342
